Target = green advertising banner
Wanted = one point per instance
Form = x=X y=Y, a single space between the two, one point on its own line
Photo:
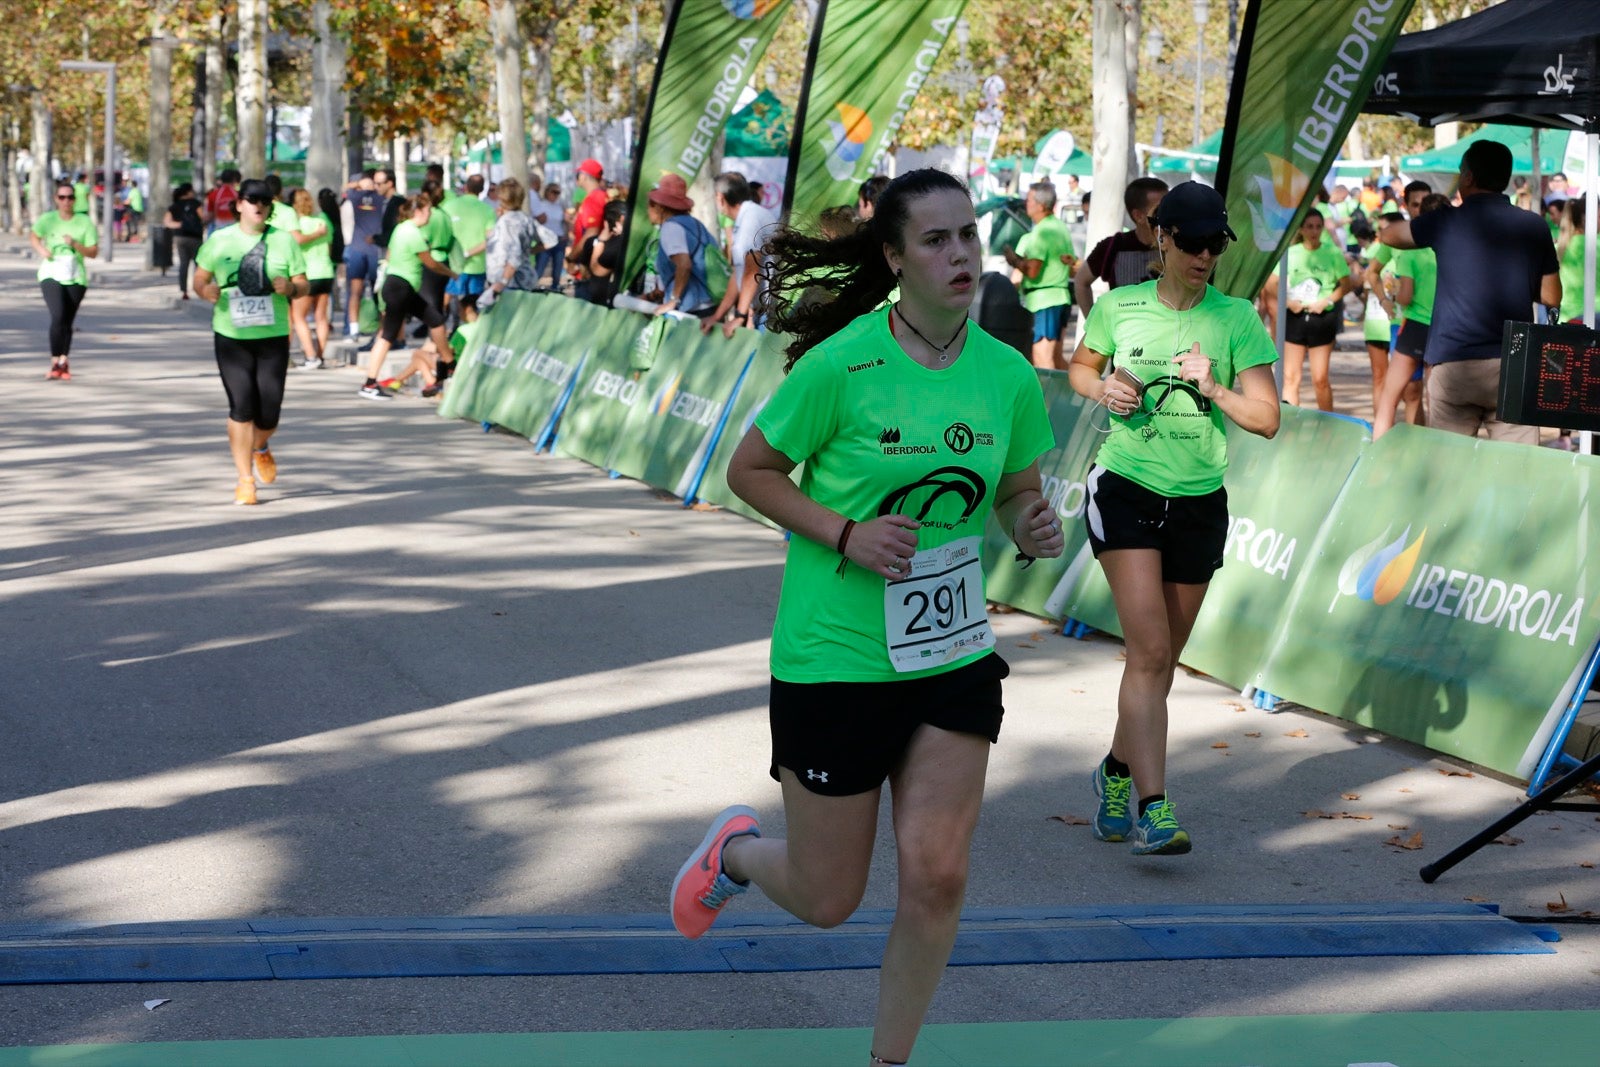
x=532 y=346
x=1302 y=73
x=1041 y=587
x=1453 y=597
x=665 y=440
x=708 y=53
x=761 y=380
x=475 y=386
x=1280 y=493
x=868 y=62
x=607 y=386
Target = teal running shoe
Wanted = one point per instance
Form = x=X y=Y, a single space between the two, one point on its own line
x=1157 y=832
x=1111 y=820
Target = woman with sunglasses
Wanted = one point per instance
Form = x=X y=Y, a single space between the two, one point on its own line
x=1157 y=513
x=251 y=272
x=61 y=240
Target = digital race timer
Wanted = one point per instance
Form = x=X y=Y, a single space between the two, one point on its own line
x=1550 y=376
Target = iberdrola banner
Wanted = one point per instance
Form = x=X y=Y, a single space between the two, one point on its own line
x=1302 y=74
x=868 y=62
x=708 y=52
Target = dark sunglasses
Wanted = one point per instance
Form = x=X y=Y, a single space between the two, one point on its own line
x=65 y=196
x=1216 y=244
x=259 y=201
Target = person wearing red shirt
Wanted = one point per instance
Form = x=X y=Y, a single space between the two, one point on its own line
x=591 y=179
x=220 y=208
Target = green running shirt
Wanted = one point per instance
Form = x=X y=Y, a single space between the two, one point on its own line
x=406 y=244
x=222 y=254
x=881 y=434
x=65 y=265
x=1176 y=443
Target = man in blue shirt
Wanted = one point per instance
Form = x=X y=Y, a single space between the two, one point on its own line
x=361 y=251
x=1495 y=262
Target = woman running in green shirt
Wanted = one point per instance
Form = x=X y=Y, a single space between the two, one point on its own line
x=61 y=240
x=1416 y=277
x=402 y=290
x=913 y=426
x=315 y=237
x=1157 y=513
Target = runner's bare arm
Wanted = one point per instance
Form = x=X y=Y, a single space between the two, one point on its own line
x=759 y=473
x=1083 y=287
x=1024 y=513
x=1085 y=374
x=1550 y=290
x=434 y=265
x=1255 y=409
x=1398 y=235
x=304 y=238
x=205 y=285
x=38 y=246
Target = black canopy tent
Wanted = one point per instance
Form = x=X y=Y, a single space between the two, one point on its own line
x=1522 y=63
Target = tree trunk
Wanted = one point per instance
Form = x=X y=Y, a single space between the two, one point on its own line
x=250 y=92
x=356 y=143
x=401 y=149
x=539 y=122
x=1355 y=145
x=160 y=151
x=39 y=190
x=216 y=55
x=14 y=181
x=325 y=156
x=508 y=87
x=1130 y=58
x=1111 y=144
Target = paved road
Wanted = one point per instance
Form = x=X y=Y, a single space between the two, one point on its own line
x=436 y=674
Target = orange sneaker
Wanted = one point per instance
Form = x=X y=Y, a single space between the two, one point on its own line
x=701 y=888
x=66 y=373
x=266 y=466
x=245 y=491
x=55 y=372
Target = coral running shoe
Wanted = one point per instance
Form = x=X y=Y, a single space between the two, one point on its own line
x=245 y=491
x=701 y=888
x=266 y=467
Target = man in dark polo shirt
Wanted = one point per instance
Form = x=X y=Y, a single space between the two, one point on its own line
x=1495 y=262
x=1123 y=258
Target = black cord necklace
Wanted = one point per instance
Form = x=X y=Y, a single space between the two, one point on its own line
x=943 y=350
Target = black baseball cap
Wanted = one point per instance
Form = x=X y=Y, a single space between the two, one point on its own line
x=1193 y=209
x=255 y=190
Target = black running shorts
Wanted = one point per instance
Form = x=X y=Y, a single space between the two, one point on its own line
x=1190 y=532
x=1313 y=330
x=845 y=738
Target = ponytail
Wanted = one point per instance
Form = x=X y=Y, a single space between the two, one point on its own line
x=850 y=271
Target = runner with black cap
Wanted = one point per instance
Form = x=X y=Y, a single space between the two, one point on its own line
x=1157 y=512
x=251 y=273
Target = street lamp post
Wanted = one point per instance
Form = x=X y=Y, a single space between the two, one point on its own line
x=108 y=200
x=1202 y=12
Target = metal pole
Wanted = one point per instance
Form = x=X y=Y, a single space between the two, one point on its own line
x=1590 y=197
x=108 y=208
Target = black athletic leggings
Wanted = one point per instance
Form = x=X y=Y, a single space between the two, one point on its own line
x=253 y=373
x=400 y=302
x=63 y=301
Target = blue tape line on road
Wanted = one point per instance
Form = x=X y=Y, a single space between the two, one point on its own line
x=245 y=950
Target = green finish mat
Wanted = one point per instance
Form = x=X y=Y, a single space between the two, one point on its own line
x=1430 y=1039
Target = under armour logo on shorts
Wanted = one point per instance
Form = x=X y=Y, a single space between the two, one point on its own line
x=817 y=776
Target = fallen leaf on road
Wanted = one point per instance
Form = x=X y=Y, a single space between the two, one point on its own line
x=1451 y=772
x=1036 y=636
x=701 y=505
x=1122 y=654
x=1588 y=865
x=633 y=533
x=1071 y=820
x=1219 y=744
x=1506 y=839
x=1410 y=844
x=1476 y=900
x=1297 y=733
x=1253 y=733
x=1024 y=644
x=1559 y=906
x=1234 y=704
x=1398 y=826
x=1075 y=690
x=1349 y=796
x=1407 y=790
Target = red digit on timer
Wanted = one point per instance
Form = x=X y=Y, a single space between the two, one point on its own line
x=1555 y=377
x=1589 y=391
